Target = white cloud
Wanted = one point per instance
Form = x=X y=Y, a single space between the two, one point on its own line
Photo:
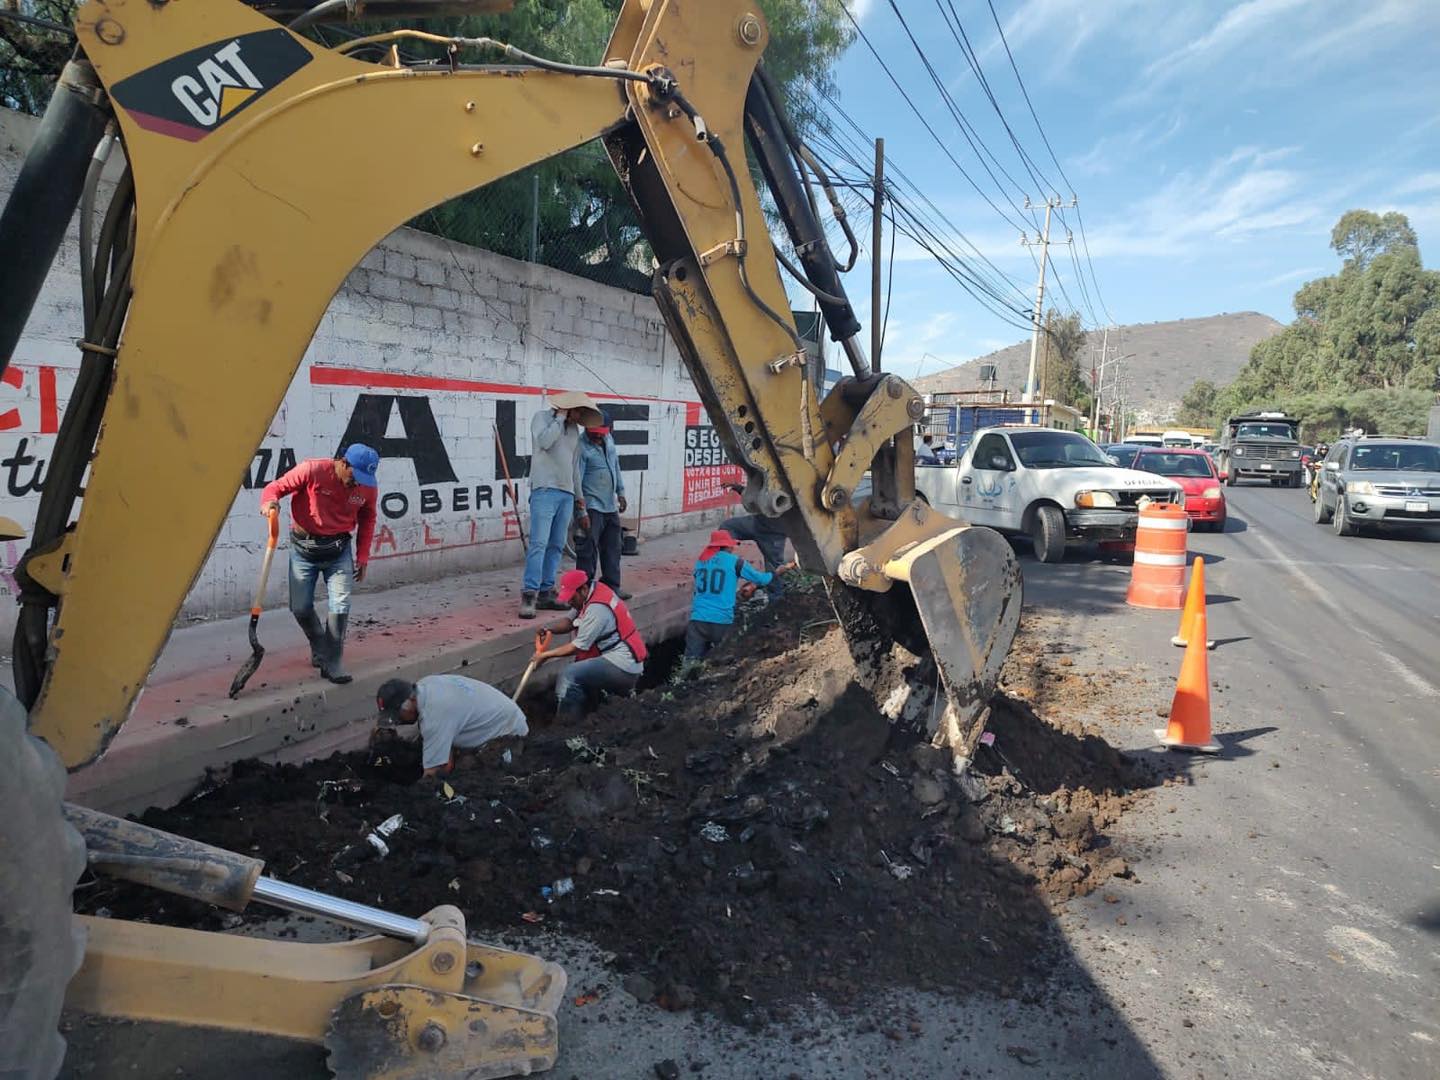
x=1239 y=196
x=1240 y=23
x=1428 y=181
x=1303 y=273
x=1112 y=151
x=861 y=8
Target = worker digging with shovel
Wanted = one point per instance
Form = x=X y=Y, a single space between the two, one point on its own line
x=330 y=498
x=609 y=652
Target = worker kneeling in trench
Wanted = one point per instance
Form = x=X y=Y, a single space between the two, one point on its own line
x=453 y=714
x=610 y=654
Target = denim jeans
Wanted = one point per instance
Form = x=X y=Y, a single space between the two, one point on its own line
x=339 y=575
x=580 y=685
x=602 y=538
x=550 y=510
x=701 y=637
x=768 y=536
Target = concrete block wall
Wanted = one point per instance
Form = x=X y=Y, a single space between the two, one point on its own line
x=426 y=352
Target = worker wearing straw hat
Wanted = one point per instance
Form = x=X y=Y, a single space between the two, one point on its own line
x=555 y=492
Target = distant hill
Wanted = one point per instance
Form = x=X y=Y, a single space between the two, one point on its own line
x=1169 y=357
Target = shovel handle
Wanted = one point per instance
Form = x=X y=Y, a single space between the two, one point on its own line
x=265 y=562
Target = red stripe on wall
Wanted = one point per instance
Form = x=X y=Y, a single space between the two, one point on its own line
x=321 y=375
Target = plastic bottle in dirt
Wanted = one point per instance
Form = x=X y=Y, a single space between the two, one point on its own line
x=372 y=847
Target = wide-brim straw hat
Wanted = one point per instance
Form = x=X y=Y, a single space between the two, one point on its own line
x=574 y=399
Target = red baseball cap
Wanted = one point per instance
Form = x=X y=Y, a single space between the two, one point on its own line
x=721 y=539
x=570 y=582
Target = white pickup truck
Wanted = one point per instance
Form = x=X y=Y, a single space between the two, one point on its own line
x=1054 y=486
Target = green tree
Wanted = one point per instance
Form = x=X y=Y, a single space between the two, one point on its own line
x=31 y=56
x=1360 y=235
x=1364 y=344
x=1060 y=375
x=1197 y=407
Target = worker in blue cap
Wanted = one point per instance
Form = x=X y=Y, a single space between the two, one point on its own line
x=331 y=497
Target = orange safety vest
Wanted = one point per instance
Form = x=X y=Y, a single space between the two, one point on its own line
x=625 y=628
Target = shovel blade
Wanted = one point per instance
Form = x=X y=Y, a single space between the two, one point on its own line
x=257 y=653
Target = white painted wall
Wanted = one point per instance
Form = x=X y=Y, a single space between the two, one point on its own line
x=421 y=329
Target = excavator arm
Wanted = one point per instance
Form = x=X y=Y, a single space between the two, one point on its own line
x=263 y=168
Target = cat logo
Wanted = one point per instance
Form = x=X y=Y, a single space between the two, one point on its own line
x=190 y=95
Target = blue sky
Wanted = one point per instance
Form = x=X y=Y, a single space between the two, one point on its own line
x=1212 y=146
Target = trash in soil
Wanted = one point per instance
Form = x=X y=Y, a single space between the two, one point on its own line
x=775 y=745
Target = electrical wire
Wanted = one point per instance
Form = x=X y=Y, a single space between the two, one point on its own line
x=957 y=31
x=43 y=24
x=1079 y=217
x=995 y=282
x=926 y=123
x=836 y=138
x=967 y=129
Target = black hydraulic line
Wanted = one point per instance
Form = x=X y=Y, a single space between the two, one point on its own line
x=803 y=159
x=45 y=195
x=772 y=151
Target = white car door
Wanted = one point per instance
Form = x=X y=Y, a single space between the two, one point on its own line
x=987 y=485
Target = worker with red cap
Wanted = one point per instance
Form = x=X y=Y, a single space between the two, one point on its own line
x=609 y=652
x=718 y=573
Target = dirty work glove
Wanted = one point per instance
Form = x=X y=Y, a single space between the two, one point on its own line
x=621 y=503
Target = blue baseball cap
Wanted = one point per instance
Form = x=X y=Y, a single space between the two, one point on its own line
x=364 y=461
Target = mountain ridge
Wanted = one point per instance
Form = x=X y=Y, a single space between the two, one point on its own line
x=1169 y=358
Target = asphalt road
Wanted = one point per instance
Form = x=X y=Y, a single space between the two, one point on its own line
x=1284 y=920
x=1287 y=921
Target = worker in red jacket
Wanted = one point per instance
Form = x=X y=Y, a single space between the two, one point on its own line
x=330 y=499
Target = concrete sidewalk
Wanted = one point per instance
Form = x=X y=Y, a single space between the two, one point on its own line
x=184 y=723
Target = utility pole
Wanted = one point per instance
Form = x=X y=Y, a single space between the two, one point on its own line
x=1052 y=203
x=1098 y=390
x=876 y=226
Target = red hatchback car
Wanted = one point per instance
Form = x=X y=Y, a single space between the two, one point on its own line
x=1193 y=470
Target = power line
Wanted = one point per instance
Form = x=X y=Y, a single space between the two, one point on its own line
x=926 y=124
x=957 y=31
x=1079 y=217
x=967 y=129
x=835 y=139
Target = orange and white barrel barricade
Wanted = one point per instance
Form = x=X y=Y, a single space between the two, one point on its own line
x=1157 y=579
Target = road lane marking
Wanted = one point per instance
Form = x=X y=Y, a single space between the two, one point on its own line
x=1402 y=669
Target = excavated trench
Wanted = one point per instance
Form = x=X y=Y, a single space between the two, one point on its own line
x=741 y=837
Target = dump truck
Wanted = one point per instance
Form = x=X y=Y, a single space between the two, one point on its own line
x=1263 y=445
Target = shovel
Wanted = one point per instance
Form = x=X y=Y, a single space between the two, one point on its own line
x=542 y=642
x=257 y=651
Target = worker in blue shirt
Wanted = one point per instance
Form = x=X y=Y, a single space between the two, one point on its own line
x=718 y=573
x=604 y=490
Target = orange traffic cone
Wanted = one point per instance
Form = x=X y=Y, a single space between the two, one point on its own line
x=1190 y=709
x=1194 y=604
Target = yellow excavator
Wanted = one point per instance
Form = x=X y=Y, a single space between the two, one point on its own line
x=256 y=175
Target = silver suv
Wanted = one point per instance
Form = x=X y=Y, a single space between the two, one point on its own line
x=1388 y=480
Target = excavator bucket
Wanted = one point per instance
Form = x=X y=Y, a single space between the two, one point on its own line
x=967 y=588
x=931 y=610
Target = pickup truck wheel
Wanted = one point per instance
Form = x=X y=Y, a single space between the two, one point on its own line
x=44 y=857
x=1342 y=522
x=1322 y=515
x=1047 y=532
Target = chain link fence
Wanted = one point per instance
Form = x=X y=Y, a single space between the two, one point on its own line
x=569 y=212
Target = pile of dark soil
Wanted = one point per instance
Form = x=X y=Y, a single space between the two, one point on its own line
x=740 y=839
